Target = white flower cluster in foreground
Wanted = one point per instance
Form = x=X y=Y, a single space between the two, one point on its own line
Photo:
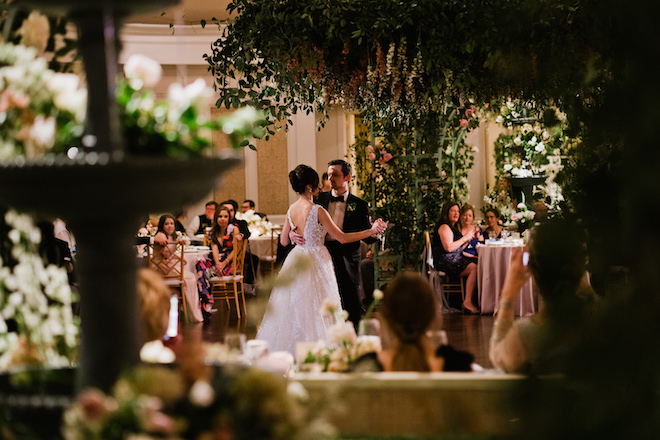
x=37 y=325
x=40 y=109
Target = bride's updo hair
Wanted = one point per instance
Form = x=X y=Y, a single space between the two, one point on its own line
x=302 y=176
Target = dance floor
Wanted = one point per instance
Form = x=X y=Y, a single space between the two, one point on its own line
x=470 y=333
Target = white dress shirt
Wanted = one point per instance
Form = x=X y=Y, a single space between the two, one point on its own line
x=337 y=211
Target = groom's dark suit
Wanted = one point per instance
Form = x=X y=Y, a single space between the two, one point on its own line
x=346 y=257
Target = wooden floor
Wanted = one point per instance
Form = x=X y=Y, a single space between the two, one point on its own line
x=464 y=332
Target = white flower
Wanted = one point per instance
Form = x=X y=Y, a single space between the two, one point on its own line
x=41 y=136
x=342 y=332
x=545 y=134
x=533 y=140
x=499 y=119
x=142 y=70
x=201 y=394
x=521 y=206
x=517 y=141
x=329 y=306
x=378 y=294
x=539 y=147
x=156 y=352
x=507 y=167
x=298 y=391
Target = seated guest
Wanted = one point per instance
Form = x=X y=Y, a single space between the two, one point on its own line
x=251 y=261
x=557 y=267
x=409 y=309
x=55 y=251
x=367 y=277
x=465 y=227
x=248 y=205
x=165 y=244
x=221 y=257
x=494 y=229
x=448 y=245
x=326 y=185
x=199 y=224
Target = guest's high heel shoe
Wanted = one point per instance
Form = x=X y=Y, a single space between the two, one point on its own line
x=467 y=311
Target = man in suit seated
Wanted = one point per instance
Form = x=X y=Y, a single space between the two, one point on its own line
x=248 y=205
x=199 y=224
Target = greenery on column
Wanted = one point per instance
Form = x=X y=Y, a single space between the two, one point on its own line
x=412 y=169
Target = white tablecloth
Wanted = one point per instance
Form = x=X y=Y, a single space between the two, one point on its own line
x=492 y=268
x=191 y=259
x=261 y=247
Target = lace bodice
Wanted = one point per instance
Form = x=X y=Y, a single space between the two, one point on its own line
x=314 y=234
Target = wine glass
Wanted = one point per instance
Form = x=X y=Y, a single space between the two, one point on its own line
x=368 y=339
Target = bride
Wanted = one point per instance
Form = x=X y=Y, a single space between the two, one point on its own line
x=307 y=276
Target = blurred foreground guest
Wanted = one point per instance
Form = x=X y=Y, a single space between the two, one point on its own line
x=409 y=310
x=555 y=258
x=154 y=306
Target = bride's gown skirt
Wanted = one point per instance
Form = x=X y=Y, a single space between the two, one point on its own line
x=307 y=278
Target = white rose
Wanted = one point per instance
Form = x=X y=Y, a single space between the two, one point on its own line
x=378 y=294
x=507 y=167
x=533 y=140
x=142 y=70
x=517 y=141
x=201 y=394
x=41 y=136
x=539 y=147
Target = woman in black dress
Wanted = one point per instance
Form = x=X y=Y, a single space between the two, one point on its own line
x=448 y=245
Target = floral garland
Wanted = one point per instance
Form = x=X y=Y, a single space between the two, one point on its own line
x=37 y=325
x=534 y=148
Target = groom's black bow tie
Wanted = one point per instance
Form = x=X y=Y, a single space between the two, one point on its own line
x=337 y=199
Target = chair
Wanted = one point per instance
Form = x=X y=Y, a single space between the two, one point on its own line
x=230 y=287
x=272 y=257
x=169 y=267
x=442 y=284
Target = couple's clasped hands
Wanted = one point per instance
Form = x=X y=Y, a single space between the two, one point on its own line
x=378 y=227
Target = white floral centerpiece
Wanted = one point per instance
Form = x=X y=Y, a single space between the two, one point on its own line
x=37 y=325
x=257 y=225
x=523 y=217
x=343 y=347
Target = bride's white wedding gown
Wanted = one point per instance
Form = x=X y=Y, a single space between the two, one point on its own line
x=294 y=309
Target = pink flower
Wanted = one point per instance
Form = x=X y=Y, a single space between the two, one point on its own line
x=464 y=122
x=469 y=112
x=387 y=157
x=374 y=174
x=372 y=156
x=94 y=405
x=370 y=149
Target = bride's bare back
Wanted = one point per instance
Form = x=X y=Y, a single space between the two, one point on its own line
x=298 y=212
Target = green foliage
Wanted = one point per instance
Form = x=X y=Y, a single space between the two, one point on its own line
x=412 y=170
x=399 y=59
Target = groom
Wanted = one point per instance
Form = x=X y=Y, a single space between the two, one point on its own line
x=351 y=214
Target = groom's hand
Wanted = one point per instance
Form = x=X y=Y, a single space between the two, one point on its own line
x=295 y=237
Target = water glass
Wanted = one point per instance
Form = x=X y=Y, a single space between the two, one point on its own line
x=368 y=340
x=256 y=350
x=236 y=342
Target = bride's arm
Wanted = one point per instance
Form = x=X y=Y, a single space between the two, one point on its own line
x=348 y=237
x=284 y=236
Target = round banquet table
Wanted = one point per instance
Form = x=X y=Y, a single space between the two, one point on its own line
x=492 y=268
x=260 y=246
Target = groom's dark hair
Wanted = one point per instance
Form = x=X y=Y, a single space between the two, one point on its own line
x=345 y=166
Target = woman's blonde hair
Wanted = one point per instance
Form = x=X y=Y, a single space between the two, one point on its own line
x=154 y=304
